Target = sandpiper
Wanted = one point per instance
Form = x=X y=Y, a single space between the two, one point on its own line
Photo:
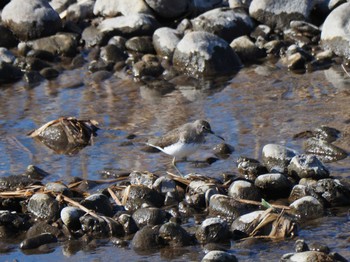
x=184 y=140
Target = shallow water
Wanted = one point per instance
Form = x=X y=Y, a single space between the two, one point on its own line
x=259 y=105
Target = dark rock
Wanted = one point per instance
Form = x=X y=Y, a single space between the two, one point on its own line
x=15 y=182
x=332 y=191
x=41 y=228
x=142 y=44
x=227 y=207
x=226 y=23
x=149 y=216
x=212 y=230
x=244 y=190
x=148 y=66
x=250 y=168
x=92 y=36
x=101 y=227
x=147 y=239
x=9 y=73
x=169 y=9
x=8 y=39
x=204 y=54
x=30 y=19
x=59 y=44
x=247 y=50
x=49 y=73
x=128 y=224
x=139 y=195
x=274 y=185
x=112 y=54
x=37 y=241
x=174 y=235
x=80 y=11
x=99 y=77
x=99 y=203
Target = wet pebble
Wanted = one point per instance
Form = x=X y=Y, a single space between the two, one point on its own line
x=71 y=217
x=41 y=228
x=212 y=230
x=242 y=226
x=142 y=44
x=307 y=166
x=308 y=208
x=149 y=216
x=244 y=190
x=44 y=206
x=250 y=168
x=175 y=235
x=99 y=203
x=277 y=157
x=139 y=195
x=147 y=239
x=273 y=185
x=247 y=51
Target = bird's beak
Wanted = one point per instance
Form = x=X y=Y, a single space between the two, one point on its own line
x=211 y=132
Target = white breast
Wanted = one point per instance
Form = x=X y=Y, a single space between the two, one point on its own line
x=181 y=150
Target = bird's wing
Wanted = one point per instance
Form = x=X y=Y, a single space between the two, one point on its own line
x=165 y=140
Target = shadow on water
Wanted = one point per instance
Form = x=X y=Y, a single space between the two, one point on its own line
x=260 y=105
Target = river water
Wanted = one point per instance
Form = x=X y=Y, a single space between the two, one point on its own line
x=259 y=105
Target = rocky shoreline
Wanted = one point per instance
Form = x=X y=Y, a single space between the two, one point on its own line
x=162 y=39
x=158 y=41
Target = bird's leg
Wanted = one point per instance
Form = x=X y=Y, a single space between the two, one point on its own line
x=174 y=164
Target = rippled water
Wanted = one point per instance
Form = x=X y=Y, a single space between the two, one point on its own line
x=259 y=105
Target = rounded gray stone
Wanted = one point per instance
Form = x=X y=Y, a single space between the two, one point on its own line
x=31 y=19
x=204 y=54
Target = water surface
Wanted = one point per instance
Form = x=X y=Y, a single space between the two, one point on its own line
x=259 y=105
